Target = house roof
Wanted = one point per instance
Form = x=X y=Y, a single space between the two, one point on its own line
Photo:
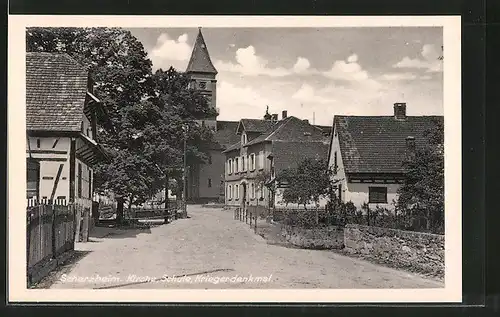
x=290 y=129
x=290 y=154
x=200 y=61
x=377 y=144
x=233 y=147
x=254 y=125
x=226 y=133
x=56 y=89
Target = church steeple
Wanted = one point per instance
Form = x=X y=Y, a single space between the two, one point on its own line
x=200 y=61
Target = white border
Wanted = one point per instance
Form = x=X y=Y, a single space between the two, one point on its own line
x=17 y=291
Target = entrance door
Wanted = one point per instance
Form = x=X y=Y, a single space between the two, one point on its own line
x=244 y=195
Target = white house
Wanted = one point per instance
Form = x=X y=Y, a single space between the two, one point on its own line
x=61 y=111
x=366 y=154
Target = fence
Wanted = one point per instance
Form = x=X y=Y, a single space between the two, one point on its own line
x=50 y=232
x=251 y=214
x=342 y=215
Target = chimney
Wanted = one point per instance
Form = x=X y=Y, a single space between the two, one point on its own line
x=400 y=111
x=410 y=146
x=284 y=114
x=274 y=117
x=306 y=121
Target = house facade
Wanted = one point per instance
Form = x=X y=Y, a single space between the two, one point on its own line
x=205 y=182
x=367 y=152
x=61 y=149
x=266 y=148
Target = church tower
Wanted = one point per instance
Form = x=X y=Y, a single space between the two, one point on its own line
x=203 y=74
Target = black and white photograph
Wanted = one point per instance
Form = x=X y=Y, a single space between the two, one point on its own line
x=201 y=157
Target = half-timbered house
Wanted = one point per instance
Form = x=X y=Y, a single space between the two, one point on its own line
x=61 y=129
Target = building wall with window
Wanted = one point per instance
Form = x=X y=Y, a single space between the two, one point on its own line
x=374 y=194
x=211 y=175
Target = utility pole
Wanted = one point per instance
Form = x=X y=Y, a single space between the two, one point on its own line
x=184 y=194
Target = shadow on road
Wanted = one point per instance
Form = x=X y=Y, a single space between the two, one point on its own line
x=64 y=268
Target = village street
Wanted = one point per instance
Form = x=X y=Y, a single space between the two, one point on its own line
x=211 y=245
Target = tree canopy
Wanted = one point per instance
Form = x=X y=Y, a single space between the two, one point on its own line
x=148 y=114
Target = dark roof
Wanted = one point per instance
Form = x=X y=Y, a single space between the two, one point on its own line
x=56 y=89
x=327 y=130
x=290 y=154
x=290 y=129
x=377 y=144
x=233 y=147
x=255 y=125
x=226 y=133
x=200 y=61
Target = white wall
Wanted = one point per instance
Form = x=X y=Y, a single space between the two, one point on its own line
x=358 y=194
x=49 y=169
x=340 y=176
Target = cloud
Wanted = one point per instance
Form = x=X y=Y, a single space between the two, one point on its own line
x=170 y=52
x=248 y=63
x=347 y=70
x=353 y=58
x=429 y=60
x=307 y=94
x=301 y=65
x=398 y=76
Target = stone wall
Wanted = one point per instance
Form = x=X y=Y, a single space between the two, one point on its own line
x=415 y=251
x=331 y=237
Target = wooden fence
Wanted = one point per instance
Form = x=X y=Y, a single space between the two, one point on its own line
x=50 y=232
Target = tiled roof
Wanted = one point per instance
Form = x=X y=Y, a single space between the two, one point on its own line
x=255 y=125
x=56 y=88
x=290 y=129
x=200 y=61
x=235 y=146
x=226 y=133
x=290 y=154
x=377 y=144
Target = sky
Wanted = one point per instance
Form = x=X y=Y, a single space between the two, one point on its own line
x=313 y=73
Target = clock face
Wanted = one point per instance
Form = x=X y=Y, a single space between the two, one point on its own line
x=203 y=85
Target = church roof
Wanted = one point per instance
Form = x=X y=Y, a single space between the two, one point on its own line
x=200 y=61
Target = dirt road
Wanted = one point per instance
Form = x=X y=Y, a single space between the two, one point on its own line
x=214 y=251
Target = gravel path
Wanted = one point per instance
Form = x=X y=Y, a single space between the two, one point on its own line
x=214 y=251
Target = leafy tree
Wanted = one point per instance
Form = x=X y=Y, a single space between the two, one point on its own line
x=422 y=193
x=146 y=112
x=306 y=183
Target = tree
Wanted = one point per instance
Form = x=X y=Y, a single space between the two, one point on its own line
x=306 y=183
x=422 y=193
x=146 y=112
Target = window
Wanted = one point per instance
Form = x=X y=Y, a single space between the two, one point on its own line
x=38 y=143
x=252 y=190
x=229 y=166
x=377 y=195
x=237 y=165
x=33 y=178
x=244 y=138
x=90 y=184
x=209 y=183
x=79 y=180
x=243 y=164
x=261 y=160
x=229 y=192
x=203 y=85
x=237 y=192
x=252 y=162
x=262 y=192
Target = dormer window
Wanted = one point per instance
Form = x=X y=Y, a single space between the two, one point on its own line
x=244 y=138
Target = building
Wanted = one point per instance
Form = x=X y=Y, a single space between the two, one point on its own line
x=205 y=182
x=267 y=147
x=61 y=111
x=367 y=153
